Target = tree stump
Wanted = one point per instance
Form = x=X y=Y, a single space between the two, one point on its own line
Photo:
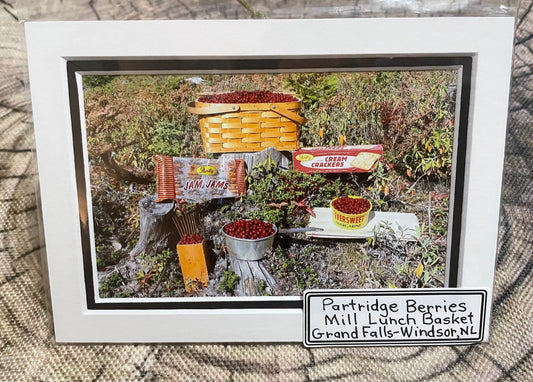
x=252 y=274
x=157 y=229
x=261 y=157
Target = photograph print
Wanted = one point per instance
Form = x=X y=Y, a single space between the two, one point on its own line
x=264 y=184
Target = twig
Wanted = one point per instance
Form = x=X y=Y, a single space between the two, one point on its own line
x=254 y=12
x=414 y=184
x=185 y=224
x=163 y=273
x=429 y=213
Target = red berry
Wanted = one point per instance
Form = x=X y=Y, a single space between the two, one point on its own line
x=249 y=229
x=352 y=206
x=257 y=96
x=191 y=239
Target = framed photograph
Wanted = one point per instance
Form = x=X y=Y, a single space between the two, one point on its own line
x=194 y=189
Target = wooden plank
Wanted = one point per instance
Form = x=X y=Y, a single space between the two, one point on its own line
x=269 y=131
x=212 y=125
x=273 y=123
x=252 y=130
x=212 y=135
x=260 y=272
x=212 y=130
x=234 y=135
x=282 y=146
x=240 y=145
x=232 y=125
x=252 y=120
x=288 y=138
x=289 y=128
x=270 y=134
x=251 y=274
x=227 y=116
x=271 y=113
x=252 y=138
x=269 y=141
x=214 y=140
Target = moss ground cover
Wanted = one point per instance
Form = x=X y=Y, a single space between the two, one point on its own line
x=132 y=118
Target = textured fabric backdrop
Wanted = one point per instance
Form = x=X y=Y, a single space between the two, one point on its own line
x=27 y=349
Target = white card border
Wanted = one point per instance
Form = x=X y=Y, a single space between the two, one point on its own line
x=51 y=44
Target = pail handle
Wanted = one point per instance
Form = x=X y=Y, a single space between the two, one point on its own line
x=288 y=114
x=213 y=108
x=233 y=108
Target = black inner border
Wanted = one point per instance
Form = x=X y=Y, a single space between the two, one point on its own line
x=266 y=64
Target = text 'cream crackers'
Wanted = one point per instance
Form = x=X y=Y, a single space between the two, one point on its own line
x=338 y=159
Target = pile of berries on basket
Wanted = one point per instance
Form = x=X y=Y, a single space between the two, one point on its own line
x=257 y=96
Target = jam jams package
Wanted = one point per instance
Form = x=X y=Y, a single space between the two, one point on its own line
x=198 y=179
x=361 y=158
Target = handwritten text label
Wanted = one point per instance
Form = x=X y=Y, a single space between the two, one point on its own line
x=395 y=317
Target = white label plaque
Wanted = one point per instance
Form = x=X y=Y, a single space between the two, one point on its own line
x=393 y=317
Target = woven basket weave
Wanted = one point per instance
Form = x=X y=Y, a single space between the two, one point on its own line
x=248 y=127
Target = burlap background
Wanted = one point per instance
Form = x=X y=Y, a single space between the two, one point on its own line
x=27 y=349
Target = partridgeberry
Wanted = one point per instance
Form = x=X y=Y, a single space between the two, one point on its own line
x=257 y=96
x=353 y=206
x=190 y=239
x=249 y=229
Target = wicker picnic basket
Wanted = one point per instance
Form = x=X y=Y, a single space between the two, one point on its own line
x=248 y=127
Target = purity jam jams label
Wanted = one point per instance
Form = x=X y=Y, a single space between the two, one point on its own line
x=401 y=317
x=197 y=179
x=337 y=159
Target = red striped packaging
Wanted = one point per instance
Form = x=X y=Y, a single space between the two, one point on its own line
x=198 y=179
x=362 y=158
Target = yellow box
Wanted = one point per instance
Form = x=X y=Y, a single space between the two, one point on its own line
x=194 y=264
